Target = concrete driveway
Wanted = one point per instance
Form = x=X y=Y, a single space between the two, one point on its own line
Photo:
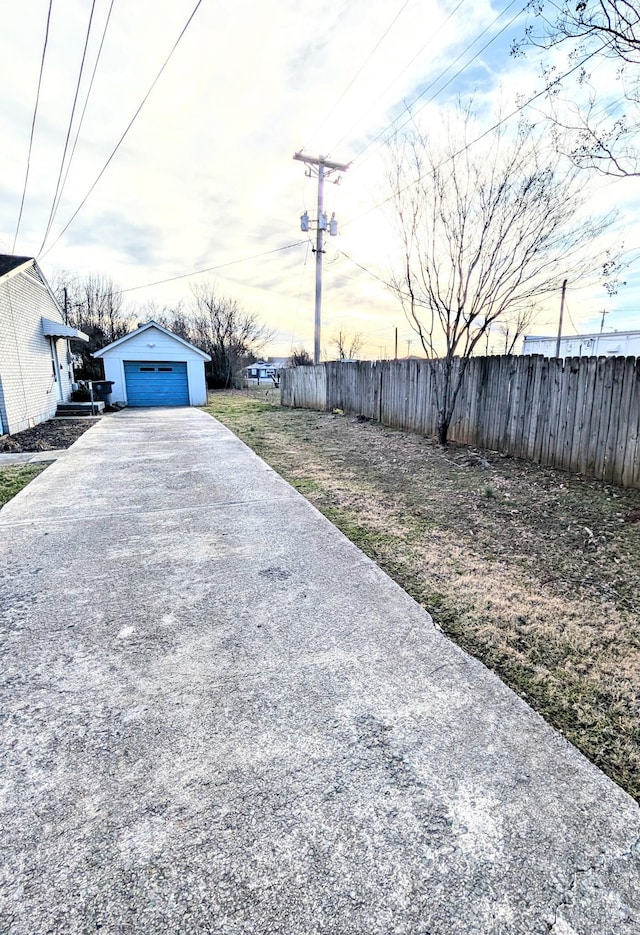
x=220 y=717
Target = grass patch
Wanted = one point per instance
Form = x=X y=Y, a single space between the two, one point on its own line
x=306 y=485
x=240 y=405
x=533 y=571
x=14 y=477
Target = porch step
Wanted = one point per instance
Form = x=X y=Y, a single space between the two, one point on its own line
x=79 y=409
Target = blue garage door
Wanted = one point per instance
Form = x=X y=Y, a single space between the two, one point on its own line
x=156 y=383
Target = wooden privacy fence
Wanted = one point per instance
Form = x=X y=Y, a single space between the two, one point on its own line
x=581 y=414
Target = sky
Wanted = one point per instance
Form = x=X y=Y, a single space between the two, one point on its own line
x=197 y=172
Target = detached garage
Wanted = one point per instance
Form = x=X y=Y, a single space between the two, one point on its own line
x=153 y=367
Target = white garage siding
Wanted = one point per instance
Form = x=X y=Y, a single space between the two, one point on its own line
x=155 y=345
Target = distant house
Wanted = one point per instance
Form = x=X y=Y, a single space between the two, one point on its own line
x=35 y=359
x=151 y=366
x=606 y=344
x=265 y=371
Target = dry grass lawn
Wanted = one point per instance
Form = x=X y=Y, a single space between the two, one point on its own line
x=535 y=572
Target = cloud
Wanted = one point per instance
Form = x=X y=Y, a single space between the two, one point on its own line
x=117 y=233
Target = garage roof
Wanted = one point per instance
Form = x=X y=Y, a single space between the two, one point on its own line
x=146 y=327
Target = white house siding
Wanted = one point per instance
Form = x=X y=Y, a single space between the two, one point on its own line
x=153 y=345
x=607 y=344
x=27 y=385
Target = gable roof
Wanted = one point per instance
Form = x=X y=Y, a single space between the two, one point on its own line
x=140 y=330
x=8 y=262
x=13 y=266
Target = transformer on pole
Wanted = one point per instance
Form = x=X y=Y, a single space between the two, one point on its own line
x=322 y=168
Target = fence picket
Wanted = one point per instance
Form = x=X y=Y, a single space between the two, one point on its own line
x=617 y=389
x=631 y=465
x=604 y=416
x=624 y=419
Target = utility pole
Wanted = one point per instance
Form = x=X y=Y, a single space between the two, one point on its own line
x=395 y=350
x=564 y=292
x=322 y=168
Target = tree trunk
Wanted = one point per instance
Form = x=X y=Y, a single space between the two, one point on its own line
x=443 y=430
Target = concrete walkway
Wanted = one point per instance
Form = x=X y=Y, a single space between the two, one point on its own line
x=220 y=717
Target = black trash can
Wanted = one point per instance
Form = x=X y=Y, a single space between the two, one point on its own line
x=102 y=390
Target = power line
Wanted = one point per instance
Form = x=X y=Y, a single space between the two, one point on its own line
x=486 y=132
x=399 y=75
x=69 y=127
x=33 y=124
x=457 y=74
x=573 y=324
x=384 y=282
x=361 y=69
x=84 y=110
x=360 y=266
x=209 y=269
x=304 y=268
x=128 y=127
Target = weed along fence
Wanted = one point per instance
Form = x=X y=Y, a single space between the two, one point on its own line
x=581 y=414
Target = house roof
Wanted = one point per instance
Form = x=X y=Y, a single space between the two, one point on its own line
x=141 y=329
x=8 y=262
x=276 y=363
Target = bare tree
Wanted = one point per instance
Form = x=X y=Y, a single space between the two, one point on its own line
x=486 y=234
x=513 y=327
x=171 y=317
x=348 y=346
x=300 y=357
x=231 y=337
x=93 y=304
x=596 y=128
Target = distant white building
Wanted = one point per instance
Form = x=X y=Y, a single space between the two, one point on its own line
x=607 y=344
x=265 y=371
